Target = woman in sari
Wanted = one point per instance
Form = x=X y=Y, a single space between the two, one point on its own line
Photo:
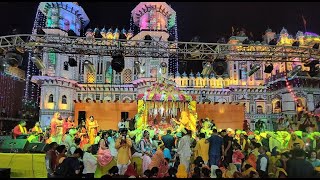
x=83 y=135
x=159 y=161
x=104 y=155
x=182 y=171
x=92 y=127
x=56 y=128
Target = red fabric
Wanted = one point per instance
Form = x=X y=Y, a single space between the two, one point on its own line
x=16 y=131
x=65 y=126
x=131 y=171
x=53 y=128
x=237 y=157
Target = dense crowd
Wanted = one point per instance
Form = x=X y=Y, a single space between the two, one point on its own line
x=210 y=153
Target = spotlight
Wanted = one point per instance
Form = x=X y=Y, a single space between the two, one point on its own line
x=207 y=69
x=89 y=66
x=40 y=31
x=71 y=33
x=66 y=66
x=246 y=41
x=96 y=33
x=254 y=69
x=315 y=46
x=171 y=38
x=268 y=68
x=163 y=68
x=273 y=42
x=219 y=66
x=72 y=62
x=296 y=44
x=122 y=36
x=294 y=72
x=38 y=62
x=147 y=38
x=117 y=62
x=13 y=59
x=138 y=67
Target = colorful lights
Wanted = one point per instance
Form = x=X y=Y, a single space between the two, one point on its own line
x=295 y=98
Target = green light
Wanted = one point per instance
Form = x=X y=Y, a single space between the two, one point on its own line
x=52 y=58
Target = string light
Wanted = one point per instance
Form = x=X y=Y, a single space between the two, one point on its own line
x=294 y=96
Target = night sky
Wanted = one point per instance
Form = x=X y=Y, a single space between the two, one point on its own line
x=209 y=20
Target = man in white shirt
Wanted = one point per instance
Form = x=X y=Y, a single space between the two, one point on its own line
x=262 y=163
x=89 y=163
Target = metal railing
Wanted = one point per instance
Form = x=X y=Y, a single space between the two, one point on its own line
x=158 y=49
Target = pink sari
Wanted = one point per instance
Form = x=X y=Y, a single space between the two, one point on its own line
x=104 y=157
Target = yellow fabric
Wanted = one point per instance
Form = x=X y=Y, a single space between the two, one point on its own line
x=124 y=152
x=202 y=149
x=23 y=130
x=33 y=165
x=24 y=165
x=92 y=129
x=37 y=129
x=182 y=171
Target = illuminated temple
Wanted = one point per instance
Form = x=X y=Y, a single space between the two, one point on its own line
x=265 y=95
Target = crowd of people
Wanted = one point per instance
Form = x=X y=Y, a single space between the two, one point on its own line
x=210 y=152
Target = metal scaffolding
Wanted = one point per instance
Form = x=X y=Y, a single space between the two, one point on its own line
x=158 y=49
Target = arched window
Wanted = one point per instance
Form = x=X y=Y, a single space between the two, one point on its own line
x=259 y=109
x=64 y=99
x=50 y=100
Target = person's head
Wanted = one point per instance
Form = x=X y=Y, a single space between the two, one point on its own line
x=147 y=173
x=196 y=172
x=61 y=149
x=285 y=156
x=172 y=172
x=202 y=135
x=299 y=153
x=223 y=132
x=206 y=172
x=114 y=170
x=70 y=118
x=23 y=123
x=293 y=136
x=52 y=146
x=89 y=149
x=154 y=171
x=313 y=154
x=162 y=147
x=262 y=150
x=37 y=124
x=241 y=136
x=124 y=132
x=256 y=145
x=236 y=146
x=168 y=131
x=218 y=173
x=77 y=141
x=198 y=162
x=296 y=146
x=78 y=153
x=91 y=118
x=146 y=134
x=214 y=131
x=104 y=135
x=83 y=123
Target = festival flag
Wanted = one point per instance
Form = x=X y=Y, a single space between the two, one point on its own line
x=304 y=23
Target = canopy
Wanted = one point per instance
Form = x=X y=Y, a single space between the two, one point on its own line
x=165 y=92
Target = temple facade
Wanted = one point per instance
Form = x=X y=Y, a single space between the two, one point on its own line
x=266 y=95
